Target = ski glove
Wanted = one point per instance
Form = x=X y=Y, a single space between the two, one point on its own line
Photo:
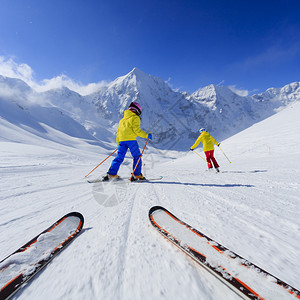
x=150 y=136
x=192 y=149
x=219 y=144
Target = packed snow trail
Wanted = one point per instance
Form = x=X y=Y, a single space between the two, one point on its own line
x=117 y=247
x=252 y=208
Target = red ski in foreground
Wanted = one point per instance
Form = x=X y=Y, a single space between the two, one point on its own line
x=246 y=279
x=27 y=261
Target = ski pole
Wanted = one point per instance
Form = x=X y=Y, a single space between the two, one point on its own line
x=201 y=157
x=139 y=159
x=224 y=154
x=101 y=163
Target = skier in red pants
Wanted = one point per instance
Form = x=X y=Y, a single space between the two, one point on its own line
x=208 y=147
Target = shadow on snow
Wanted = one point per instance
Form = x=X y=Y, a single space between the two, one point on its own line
x=203 y=184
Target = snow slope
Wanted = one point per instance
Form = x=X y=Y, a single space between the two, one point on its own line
x=252 y=208
x=35 y=112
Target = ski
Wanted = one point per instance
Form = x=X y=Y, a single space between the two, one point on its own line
x=243 y=277
x=125 y=179
x=147 y=180
x=22 y=265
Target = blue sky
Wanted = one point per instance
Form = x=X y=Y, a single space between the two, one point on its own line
x=252 y=45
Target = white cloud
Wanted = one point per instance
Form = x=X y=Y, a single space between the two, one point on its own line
x=271 y=55
x=168 y=82
x=239 y=91
x=221 y=83
x=10 y=68
x=64 y=81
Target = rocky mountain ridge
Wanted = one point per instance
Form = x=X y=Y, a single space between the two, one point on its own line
x=173 y=117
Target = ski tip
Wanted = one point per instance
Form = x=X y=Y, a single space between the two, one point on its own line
x=94 y=181
x=155 y=208
x=74 y=214
x=150 y=179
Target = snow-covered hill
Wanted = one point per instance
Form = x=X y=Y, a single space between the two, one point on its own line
x=222 y=111
x=284 y=95
x=252 y=208
x=173 y=117
x=31 y=112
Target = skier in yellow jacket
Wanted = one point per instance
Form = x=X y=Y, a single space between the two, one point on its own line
x=208 y=147
x=128 y=130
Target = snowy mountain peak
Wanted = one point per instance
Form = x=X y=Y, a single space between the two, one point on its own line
x=169 y=114
x=212 y=94
x=134 y=86
x=15 y=90
x=291 y=88
x=135 y=79
x=286 y=94
x=62 y=92
x=138 y=74
x=125 y=81
x=14 y=84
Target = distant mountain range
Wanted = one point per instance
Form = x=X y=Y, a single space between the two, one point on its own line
x=173 y=117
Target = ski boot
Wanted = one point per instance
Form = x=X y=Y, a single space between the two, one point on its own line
x=138 y=177
x=108 y=177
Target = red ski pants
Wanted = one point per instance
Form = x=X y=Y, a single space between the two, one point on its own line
x=210 y=159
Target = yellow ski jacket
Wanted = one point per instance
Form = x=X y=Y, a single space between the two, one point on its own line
x=129 y=128
x=207 y=140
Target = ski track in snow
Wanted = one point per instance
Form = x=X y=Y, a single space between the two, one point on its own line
x=251 y=207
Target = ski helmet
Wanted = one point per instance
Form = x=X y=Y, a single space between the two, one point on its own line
x=135 y=107
x=201 y=130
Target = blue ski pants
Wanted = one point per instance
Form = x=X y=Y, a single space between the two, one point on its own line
x=122 y=149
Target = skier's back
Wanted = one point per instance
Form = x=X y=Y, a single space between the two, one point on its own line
x=128 y=130
x=208 y=147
